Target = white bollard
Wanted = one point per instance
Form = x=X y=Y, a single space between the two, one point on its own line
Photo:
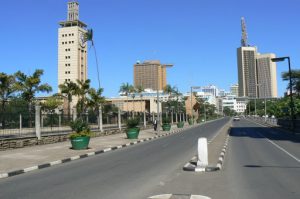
x=202 y=153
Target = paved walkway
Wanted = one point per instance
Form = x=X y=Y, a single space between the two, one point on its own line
x=17 y=161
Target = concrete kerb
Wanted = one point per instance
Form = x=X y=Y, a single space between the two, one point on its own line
x=66 y=160
x=192 y=164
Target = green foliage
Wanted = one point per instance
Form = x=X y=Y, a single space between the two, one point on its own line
x=166 y=120
x=51 y=104
x=132 y=123
x=228 y=112
x=30 y=85
x=84 y=133
x=295 y=74
x=79 y=126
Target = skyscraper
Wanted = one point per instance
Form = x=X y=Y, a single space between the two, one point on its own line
x=150 y=74
x=234 y=90
x=247 y=80
x=266 y=76
x=72 y=48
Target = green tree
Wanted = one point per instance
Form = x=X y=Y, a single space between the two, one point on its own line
x=295 y=74
x=82 y=91
x=7 y=90
x=140 y=89
x=132 y=91
x=95 y=98
x=69 y=89
x=29 y=86
x=125 y=89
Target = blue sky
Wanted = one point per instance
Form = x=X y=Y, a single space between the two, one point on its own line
x=199 y=37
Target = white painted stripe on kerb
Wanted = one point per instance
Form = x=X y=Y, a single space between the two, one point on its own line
x=282 y=149
x=107 y=149
x=30 y=168
x=91 y=153
x=75 y=157
x=3 y=175
x=55 y=162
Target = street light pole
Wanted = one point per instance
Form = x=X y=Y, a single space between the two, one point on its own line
x=279 y=59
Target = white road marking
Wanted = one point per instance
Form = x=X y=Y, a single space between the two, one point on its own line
x=282 y=149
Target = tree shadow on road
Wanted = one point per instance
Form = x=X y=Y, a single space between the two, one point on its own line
x=263 y=166
x=264 y=132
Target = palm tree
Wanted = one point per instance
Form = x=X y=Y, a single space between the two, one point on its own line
x=29 y=86
x=125 y=89
x=69 y=89
x=169 y=91
x=95 y=101
x=140 y=89
x=7 y=89
x=132 y=91
x=177 y=94
x=95 y=98
x=81 y=92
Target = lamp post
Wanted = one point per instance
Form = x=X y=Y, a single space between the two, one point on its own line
x=157 y=99
x=280 y=59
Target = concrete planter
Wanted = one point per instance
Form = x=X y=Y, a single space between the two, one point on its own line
x=133 y=133
x=180 y=124
x=79 y=143
x=166 y=127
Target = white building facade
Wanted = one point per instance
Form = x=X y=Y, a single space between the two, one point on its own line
x=72 y=47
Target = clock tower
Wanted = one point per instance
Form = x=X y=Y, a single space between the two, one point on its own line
x=72 y=47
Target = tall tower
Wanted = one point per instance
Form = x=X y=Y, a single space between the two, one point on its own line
x=72 y=47
x=244 y=40
x=266 y=76
x=246 y=60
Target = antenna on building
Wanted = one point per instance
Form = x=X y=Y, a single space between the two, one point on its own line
x=244 y=41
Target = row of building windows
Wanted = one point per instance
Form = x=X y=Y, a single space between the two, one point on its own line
x=67 y=49
x=67 y=64
x=65 y=42
x=67 y=80
x=65 y=35
x=67 y=72
x=68 y=57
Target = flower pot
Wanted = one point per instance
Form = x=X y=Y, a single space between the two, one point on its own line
x=166 y=127
x=133 y=133
x=180 y=124
x=79 y=143
x=191 y=122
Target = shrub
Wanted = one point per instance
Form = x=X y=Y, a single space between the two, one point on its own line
x=166 y=120
x=132 y=123
x=81 y=129
x=79 y=125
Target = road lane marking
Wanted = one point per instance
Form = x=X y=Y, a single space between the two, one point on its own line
x=282 y=149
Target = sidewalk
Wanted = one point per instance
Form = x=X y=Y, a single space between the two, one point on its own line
x=17 y=161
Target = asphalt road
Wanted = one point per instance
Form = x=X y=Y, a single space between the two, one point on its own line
x=129 y=173
x=260 y=163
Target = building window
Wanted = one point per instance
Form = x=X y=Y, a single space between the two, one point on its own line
x=69 y=34
x=63 y=35
x=72 y=34
x=72 y=42
x=69 y=42
x=62 y=43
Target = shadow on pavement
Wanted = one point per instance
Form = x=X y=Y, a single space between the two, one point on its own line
x=259 y=132
x=260 y=166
